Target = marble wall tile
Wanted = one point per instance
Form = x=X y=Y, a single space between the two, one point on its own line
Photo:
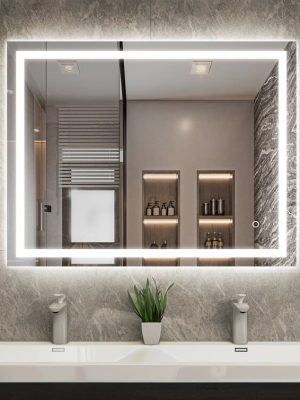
x=3 y=34
x=224 y=19
x=199 y=307
x=74 y=19
x=266 y=166
x=266 y=163
x=292 y=143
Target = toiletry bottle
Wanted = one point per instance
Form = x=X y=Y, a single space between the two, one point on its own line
x=171 y=208
x=208 y=243
x=213 y=206
x=164 y=209
x=214 y=241
x=154 y=245
x=220 y=241
x=220 y=206
x=205 y=209
x=156 y=209
x=164 y=245
x=149 y=209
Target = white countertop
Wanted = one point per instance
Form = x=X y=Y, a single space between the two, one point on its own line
x=135 y=362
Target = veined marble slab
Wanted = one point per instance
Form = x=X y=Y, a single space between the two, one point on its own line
x=266 y=164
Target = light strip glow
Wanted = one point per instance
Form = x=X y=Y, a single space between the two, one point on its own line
x=149 y=55
x=20 y=155
x=153 y=253
x=211 y=221
x=215 y=176
x=21 y=56
x=161 y=221
x=160 y=176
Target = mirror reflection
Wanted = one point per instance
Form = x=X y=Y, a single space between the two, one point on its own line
x=154 y=154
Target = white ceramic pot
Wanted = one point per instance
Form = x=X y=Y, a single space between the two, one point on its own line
x=151 y=332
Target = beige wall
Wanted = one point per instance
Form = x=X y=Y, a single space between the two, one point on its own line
x=191 y=135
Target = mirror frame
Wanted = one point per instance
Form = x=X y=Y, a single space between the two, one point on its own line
x=280 y=56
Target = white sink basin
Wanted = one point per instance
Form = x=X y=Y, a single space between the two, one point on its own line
x=135 y=362
x=149 y=355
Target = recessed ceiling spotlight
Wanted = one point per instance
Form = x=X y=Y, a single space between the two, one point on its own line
x=200 y=67
x=69 y=67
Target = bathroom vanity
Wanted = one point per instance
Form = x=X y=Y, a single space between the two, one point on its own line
x=126 y=370
x=168 y=362
x=181 y=362
x=151 y=154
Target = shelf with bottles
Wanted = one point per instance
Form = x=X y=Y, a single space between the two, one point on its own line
x=161 y=217
x=161 y=244
x=160 y=209
x=214 y=240
x=160 y=237
x=217 y=239
x=215 y=217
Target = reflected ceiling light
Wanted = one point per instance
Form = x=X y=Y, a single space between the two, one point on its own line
x=69 y=67
x=201 y=67
x=36 y=130
x=185 y=125
x=215 y=176
x=160 y=176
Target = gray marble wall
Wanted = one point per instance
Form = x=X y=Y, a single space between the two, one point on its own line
x=266 y=164
x=199 y=304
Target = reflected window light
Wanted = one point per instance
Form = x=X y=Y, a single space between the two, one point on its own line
x=92 y=216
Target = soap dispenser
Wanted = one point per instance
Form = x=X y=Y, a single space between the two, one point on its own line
x=239 y=320
x=171 y=208
x=164 y=209
x=60 y=319
x=164 y=245
x=149 y=209
x=156 y=209
x=220 y=241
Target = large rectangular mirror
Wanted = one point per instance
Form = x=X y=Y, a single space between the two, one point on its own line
x=151 y=153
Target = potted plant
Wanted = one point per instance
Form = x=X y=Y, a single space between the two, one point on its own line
x=149 y=305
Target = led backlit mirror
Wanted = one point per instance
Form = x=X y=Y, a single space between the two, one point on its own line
x=151 y=154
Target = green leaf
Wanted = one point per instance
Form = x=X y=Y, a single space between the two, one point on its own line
x=135 y=309
x=150 y=302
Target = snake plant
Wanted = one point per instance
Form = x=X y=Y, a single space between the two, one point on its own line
x=149 y=302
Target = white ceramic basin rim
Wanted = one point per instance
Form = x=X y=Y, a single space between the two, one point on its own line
x=135 y=362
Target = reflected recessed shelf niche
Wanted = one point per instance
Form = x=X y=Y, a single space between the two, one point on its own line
x=216 y=184
x=161 y=186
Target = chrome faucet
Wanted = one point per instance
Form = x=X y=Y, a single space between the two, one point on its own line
x=60 y=319
x=239 y=320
